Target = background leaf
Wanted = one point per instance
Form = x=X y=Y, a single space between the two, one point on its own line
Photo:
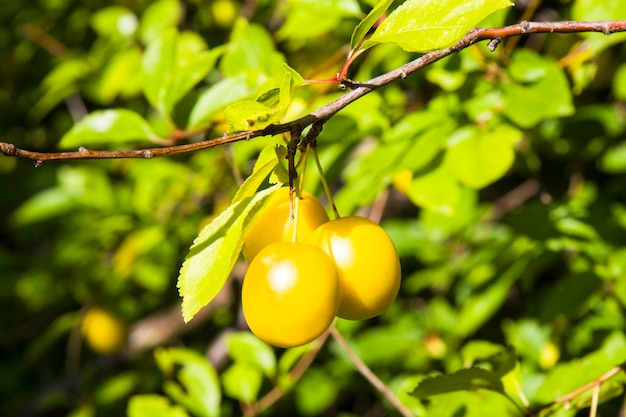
x=462 y=380
x=108 y=127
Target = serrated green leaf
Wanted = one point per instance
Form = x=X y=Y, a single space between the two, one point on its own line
x=271 y=104
x=462 y=380
x=248 y=115
x=479 y=158
x=214 y=253
x=108 y=127
x=247 y=348
x=216 y=98
x=268 y=159
x=366 y=24
x=242 y=381
x=428 y=25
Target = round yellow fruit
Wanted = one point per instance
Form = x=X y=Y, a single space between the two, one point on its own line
x=274 y=223
x=367 y=262
x=290 y=294
x=103 y=332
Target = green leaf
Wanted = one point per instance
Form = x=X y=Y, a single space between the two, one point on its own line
x=108 y=127
x=242 y=381
x=462 y=380
x=614 y=160
x=536 y=78
x=246 y=348
x=121 y=75
x=428 y=25
x=172 y=64
x=366 y=24
x=157 y=17
x=214 y=253
x=197 y=388
x=270 y=106
x=248 y=115
x=308 y=19
x=566 y=377
x=480 y=307
x=152 y=405
x=315 y=392
x=114 y=22
x=215 y=99
x=479 y=158
x=251 y=52
x=436 y=190
x=267 y=161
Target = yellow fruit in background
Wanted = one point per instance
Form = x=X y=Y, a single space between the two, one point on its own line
x=224 y=12
x=402 y=181
x=103 y=332
x=367 y=262
x=274 y=224
x=290 y=294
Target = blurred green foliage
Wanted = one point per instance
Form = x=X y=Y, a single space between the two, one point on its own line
x=510 y=218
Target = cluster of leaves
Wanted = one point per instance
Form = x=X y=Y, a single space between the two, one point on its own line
x=499 y=176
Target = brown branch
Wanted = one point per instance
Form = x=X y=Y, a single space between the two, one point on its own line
x=359 y=89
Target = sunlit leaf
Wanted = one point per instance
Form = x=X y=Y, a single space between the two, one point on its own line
x=366 y=24
x=427 y=25
x=158 y=16
x=536 y=78
x=247 y=348
x=114 y=21
x=267 y=161
x=196 y=386
x=566 y=377
x=216 y=98
x=108 y=127
x=152 y=405
x=479 y=158
x=436 y=190
x=214 y=252
x=242 y=381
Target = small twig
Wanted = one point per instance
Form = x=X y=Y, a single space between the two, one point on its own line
x=608 y=375
x=594 y=400
x=369 y=375
x=327 y=111
x=295 y=374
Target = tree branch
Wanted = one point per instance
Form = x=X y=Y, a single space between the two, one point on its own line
x=359 y=89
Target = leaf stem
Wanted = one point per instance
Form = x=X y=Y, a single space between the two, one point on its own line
x=327 y=190
x=369 y=375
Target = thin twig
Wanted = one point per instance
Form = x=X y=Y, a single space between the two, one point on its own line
x=295 y=374
x=359 y=89
x=369 y=375
x=608 y=375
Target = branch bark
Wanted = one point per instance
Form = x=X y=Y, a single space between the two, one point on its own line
x=358 y=89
